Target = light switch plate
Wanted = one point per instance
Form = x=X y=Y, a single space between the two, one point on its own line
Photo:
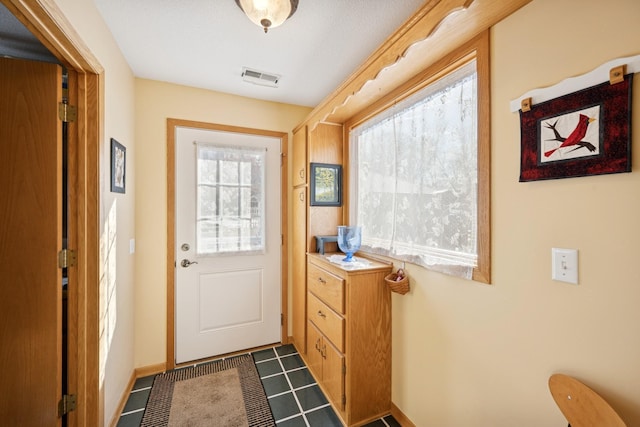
x=564 y=265
x=132 y=245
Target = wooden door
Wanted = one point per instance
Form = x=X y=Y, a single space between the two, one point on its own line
x=30 y=239
x=228 y=242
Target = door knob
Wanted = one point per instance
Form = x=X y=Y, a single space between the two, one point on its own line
x=186 y=263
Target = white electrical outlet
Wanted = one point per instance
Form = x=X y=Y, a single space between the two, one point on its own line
x=564 y=265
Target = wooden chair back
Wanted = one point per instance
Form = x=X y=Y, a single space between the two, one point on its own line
x=580 y=405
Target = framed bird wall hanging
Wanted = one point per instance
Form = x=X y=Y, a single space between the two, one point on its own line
x=587 y=132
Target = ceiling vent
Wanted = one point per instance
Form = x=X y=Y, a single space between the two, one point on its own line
x=260 y=78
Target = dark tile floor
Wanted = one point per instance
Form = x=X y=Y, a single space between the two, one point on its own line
x=293 y=394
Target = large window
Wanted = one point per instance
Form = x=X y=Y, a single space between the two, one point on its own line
x=414 y=180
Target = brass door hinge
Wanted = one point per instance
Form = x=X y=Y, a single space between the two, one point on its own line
x=67 y=258
x=67 y=113
x=66 y=404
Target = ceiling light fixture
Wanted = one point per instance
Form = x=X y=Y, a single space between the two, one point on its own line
x=268 y=13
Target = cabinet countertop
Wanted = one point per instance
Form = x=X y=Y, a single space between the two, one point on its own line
x=323 y=260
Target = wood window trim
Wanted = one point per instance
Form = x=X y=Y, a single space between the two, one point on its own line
x=435 y=29
x=477 y=49
x=171 y=237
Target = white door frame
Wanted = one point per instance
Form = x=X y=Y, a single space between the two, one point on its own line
x=171 y=192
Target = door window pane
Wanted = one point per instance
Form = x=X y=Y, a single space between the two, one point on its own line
x=230 y=199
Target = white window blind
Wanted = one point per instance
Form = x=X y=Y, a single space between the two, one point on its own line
x=414 y=176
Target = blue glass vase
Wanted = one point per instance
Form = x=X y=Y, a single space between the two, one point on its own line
x=349 y=240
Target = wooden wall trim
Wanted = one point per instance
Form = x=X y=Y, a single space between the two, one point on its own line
x=144 y=371
x=432 y=32
x=400 y=417
x=123 y=400
x=61 y=39
x=284 y=227
x=90 y=119
x=171 y=242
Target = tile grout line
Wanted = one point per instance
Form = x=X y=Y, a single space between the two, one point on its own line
x=131 y=412
x=277 y=357
x=284 y=371
x=293 y=389
x=317 y=408
x=280 y=373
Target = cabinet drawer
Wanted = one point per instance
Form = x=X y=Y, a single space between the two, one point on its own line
x=327 y=287
x=330 y=323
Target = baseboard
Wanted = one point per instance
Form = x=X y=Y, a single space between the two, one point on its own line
x=123 y=400
x=401 y=417
x=144 y=371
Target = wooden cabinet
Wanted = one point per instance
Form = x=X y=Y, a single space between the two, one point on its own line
x=325 y=146
x=327 y=364
x=298 y=268
x=299 y=159
x=322 y=144
x=349 y=337
x=299 y=240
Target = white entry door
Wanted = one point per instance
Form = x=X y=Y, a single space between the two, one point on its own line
x=228 y=242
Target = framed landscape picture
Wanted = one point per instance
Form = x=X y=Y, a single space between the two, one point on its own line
x=326 y=185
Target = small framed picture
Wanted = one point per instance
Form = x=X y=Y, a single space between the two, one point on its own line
x=118 y=167
x=326 y=185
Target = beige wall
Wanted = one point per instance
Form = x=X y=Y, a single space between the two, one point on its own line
x=467 y=354
x=155 y=102
x=117 y=211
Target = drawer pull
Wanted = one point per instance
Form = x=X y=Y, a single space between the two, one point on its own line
x=321 y=314
x=321 y=280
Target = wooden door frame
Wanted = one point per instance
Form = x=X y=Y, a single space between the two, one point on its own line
x=171 y=203
x=86 y=85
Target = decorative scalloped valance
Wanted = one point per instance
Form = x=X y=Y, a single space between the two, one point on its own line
x=574 y=84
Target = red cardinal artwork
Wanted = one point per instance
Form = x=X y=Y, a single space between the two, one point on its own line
x=575 y=138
